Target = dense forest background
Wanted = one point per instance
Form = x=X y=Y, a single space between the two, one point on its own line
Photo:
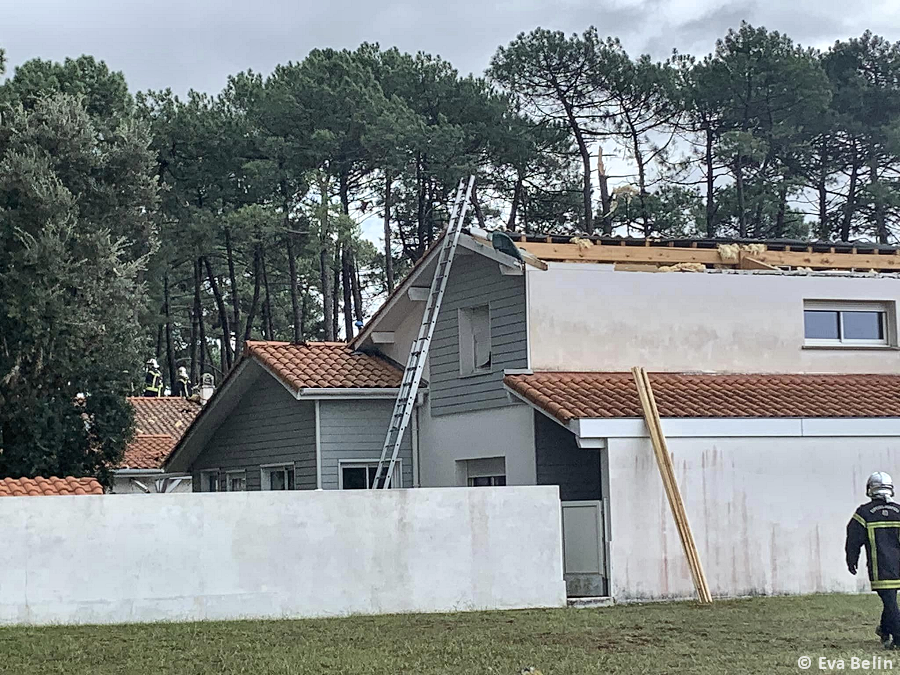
x=212 y=220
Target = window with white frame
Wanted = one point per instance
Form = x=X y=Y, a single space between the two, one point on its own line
x=236 y=481
x=848 y=324
x=486 y=472
x=360 y=475
x=277 y=477
x=474 y=340
x=209 y=481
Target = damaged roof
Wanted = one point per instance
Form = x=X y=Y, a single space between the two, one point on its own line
x=567 y=395
x=159 y=424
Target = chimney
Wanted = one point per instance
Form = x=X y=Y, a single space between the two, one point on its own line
x=207 y=387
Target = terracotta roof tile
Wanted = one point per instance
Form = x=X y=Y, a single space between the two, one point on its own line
x=37 y=487
x=568 y=396
x=159 y=423
x=147 y=451
x=329 y=365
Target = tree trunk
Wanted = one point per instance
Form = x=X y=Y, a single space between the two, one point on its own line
x=235 y=297
x=170 y=354
x=348 y=292
x=227 y=353
x=295 y=301
x=881 y=230
x=159 y=341
x=739 y=186
x=388 y=257
x=303 y=300
x=356 y=285
x=479 y=214
x=202 y=325
x=711 y=229
x=327 y=293
x=782 y=208
x=251 y=315
x=605 y=201
x=335 y=295
x=850 y=206
x=514 y=206
x=195 y=320
x=421 y=231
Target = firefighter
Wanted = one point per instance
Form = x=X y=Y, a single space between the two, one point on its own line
x=182 y=384
x=153 y=383
x=876 y=525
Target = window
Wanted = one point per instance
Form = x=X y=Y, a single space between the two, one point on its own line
x=359 y=475
x=236 y=481
x=847 y=324
x=277 y=477
x=209 y=481
x=487 y=472
x=475 y=340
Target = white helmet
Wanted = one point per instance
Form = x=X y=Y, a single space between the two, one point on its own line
x=153 y=363
x=880 y=486
x=182 y=372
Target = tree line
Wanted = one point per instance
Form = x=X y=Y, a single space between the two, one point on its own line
x=149 y=224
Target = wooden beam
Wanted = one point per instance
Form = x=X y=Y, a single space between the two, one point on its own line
x=748 y=263
x=709 y=256
x=610 y=254
x=667 y=471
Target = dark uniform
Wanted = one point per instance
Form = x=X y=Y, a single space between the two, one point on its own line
x=876 y=525
x=153 y=384
x=183 y=387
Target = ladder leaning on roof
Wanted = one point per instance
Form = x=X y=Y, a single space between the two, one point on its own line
x=418 y=353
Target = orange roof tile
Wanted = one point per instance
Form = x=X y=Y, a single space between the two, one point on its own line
x=159 y=423
x=569 y=396
x=147 y=451
x=37 y=487
x=324 y=365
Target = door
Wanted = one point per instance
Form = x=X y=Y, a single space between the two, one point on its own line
x=584 y=563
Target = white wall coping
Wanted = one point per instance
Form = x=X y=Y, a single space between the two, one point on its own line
x=708 y=427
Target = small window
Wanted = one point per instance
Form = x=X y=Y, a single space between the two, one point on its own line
x=475 y=340
x=487 y=472
x=278 y=477
x=850 y=324
x=209 y=481
x=360 y=475
x=236 y=481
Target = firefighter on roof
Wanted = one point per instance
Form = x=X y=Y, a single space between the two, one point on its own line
x=153 y=383
x=182 y=384
x=876 y=526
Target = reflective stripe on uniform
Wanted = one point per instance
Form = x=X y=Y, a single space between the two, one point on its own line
x=859 y=519
x=885 y=585
x=870 y=529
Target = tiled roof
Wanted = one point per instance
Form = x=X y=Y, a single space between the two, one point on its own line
x=568 y=396
x=159 y=423
x=37 y=487
x=147 y=451
x=329 y=365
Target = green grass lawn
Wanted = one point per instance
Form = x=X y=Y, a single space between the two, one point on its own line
x=755 y=636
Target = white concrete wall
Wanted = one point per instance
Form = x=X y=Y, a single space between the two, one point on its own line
x=587 y=317
x=768 y=514
x=108 y=559
x=499 y=432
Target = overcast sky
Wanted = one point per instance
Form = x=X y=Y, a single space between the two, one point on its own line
x=187 y=44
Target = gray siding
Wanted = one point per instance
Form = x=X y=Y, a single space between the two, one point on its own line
x=561 y=462
x=268 y=426
x=476 y=280
x=355 y=430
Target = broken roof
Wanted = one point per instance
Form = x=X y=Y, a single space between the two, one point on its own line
x=148 y=451
x=38 y=487
x=568 y=396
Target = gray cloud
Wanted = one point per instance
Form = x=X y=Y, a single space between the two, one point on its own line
x=196 y=44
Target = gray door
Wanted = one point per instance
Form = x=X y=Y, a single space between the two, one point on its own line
x=584 y=564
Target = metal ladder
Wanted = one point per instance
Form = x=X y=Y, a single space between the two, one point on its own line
x=418 y=354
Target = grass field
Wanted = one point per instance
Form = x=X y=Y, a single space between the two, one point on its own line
x=750 y=637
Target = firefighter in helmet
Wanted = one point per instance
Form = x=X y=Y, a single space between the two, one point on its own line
x=153 y=383
x=876 y=526
x=182 y=384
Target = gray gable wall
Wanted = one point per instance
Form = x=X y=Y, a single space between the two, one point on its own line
x=476 y=280
x=354 y=430
x=268 y=426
